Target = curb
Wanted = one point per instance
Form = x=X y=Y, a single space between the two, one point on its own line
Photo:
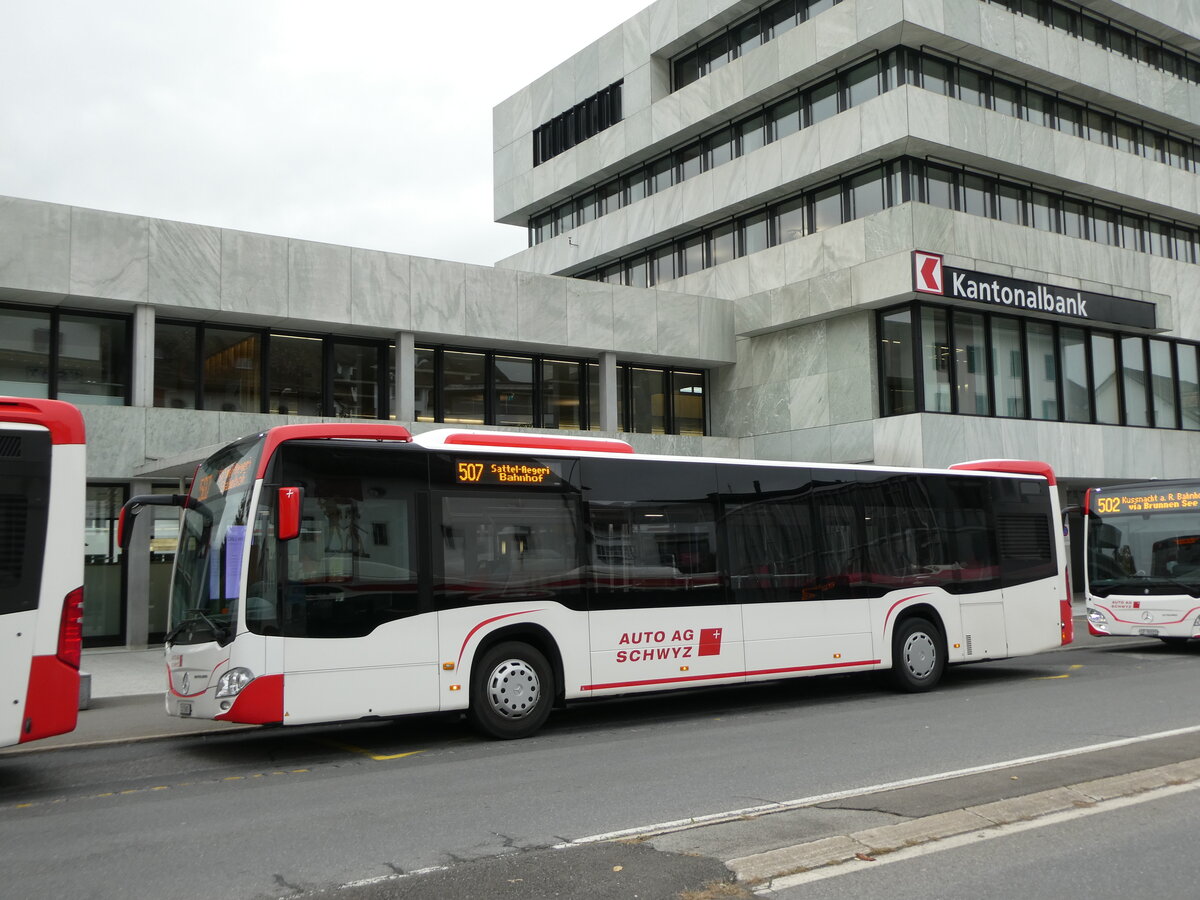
x=760 y=869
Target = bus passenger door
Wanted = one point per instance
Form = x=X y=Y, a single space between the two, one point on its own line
x=659 y=611
x=359 y=639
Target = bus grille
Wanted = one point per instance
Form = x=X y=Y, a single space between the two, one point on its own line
x=13 y=513
x=10 y=445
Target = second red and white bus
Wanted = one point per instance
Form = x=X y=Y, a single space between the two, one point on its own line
x=1142 y=545
x=334 y=572
x=42 y=491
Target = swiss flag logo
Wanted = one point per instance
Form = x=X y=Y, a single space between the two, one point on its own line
x=927 y=272
x=710 y=642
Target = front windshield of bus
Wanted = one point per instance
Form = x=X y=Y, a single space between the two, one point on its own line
x=204 y=588
x=1149 y=544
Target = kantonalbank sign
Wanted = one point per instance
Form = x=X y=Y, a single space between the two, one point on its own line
x=930 y=276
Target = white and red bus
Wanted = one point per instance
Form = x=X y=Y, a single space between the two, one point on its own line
x=42 y=493
x=1142 y=545
x=335 y=572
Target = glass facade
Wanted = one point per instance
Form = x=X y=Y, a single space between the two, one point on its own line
x=104 y=613
x=79 y=357
x=1068 y=373
x=472 y=387
x=894 y=68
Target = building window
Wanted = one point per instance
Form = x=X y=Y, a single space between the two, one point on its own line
x=583 y=120
x=104 y=614
x=845 y=89
x=1068 y=373
x=239 y=370
x=78 y=357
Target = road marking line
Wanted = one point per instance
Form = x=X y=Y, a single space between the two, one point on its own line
x=972 y=837
x=379 y=757
x=784 y=805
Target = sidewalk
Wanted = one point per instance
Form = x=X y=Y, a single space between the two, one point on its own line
x=126 y=704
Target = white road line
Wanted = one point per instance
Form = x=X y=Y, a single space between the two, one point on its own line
x=783 y=805
x=972 y=837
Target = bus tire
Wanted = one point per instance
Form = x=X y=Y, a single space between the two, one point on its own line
x=918 y=656
x=512 y=690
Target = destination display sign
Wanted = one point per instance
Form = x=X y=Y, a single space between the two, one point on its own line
x=1159 y=501
x=506 y=473
x=930 y=276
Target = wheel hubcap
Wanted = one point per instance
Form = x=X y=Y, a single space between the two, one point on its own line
x=514 y=689
x=920 y=654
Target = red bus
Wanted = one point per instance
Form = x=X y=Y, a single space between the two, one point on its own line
x=334 y=571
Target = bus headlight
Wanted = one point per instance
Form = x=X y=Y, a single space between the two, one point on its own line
x=1096 y=618
x=232 y=682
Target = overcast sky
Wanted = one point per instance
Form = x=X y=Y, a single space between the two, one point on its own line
x=357 y=122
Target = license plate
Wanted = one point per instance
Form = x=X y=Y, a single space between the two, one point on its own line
x=185 y=708
x=1148 y=632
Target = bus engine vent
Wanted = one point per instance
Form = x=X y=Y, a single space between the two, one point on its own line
x=10 y=446
x=14 y=513
x=1023 y=537
x=970 y=645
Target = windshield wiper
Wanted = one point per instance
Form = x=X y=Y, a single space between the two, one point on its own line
x=220 y=632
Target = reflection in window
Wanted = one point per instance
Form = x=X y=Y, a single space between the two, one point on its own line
x=1008 y=368
x=93 y=360
x=1104 y=375
x=687 y=402
x=935 y=355
x=463 y=382
x=232 y=365
x=1133 y=365
x=1162 y=384
x=1043 y=370
x=1077 y=397
x=514 y=390
x=295 y=375
x=896 y=355
x=970 y=364
x=174 y=366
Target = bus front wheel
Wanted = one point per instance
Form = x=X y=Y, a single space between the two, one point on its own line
x=918 y=656
x=512 y=689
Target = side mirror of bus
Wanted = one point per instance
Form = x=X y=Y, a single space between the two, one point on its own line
x=288 y=519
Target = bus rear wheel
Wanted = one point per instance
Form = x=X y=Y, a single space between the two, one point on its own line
x=918 y=656
x=512 y=690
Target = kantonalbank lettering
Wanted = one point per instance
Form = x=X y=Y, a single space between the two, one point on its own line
x=1148 y=502
x=1039 y=298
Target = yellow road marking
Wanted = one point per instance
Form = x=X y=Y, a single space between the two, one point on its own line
x=1052 y=677
x=378 y=757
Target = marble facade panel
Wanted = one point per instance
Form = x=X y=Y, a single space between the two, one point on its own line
x=695 y=102
x=1031 y=42
x=695 y=197
x=665 y=115
x=836 y=29
x=766 y=269
x=678 y=324
x=728 y=184
x=589 y=315
x=110 y=255
x=563 y=79
x=875 y=15
x=840 y=137
x=381 y=289
x=254 y=273
x=318 y=281
x=842 y=246
x=888 y=232
x=803 y=258
x=769 y=409
x=116 y=438
x=883 y=279
x=1038 y=148
x=542 y=309
x=929 y=116
x=730 y=280
x=760 y=69
x=491 y=303
x=1093 y=65
x=852 y=443
x=35 y=245
x=884 y=120
x=850 y=395
x=1149 y=87
x=830 y=292
x=763 y=169
x=808 y=402
x=772 y=446
x=897 y=441
x=635 y=40
x=1068 y=158
x=438 y=296
x=797 y=50
x=942 y=440
x=997 y=31
x=811 y=445
x=848 y=339
x=185 y=265
x=610 y=51
x=716 y=330
x=635 y=329
x=1003 y=137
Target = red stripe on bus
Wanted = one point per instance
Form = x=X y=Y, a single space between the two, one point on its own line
x=471 y=633
x=259 y=703
x=52 y=700
x=892 y=608
x=685 y=678
x=502 y=439
x=1190 y=612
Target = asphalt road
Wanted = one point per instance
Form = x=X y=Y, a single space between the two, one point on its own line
x=274 y=813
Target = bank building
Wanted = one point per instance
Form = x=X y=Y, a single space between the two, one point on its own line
x=904 y=232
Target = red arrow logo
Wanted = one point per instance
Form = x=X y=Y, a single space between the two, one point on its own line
x=928 y=271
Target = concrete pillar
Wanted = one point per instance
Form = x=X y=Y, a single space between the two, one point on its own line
x=143 y=356
x=137 y=573
x=608 y=392
x=406 y=377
